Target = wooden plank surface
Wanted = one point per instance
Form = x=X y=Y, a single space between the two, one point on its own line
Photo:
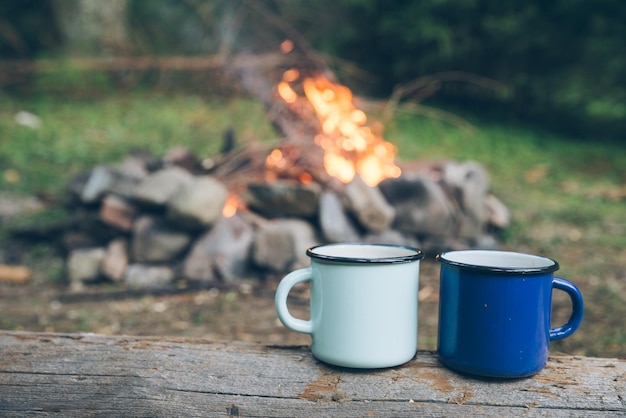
x=95 y=375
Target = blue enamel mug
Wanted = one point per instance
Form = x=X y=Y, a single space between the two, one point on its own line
x=494 y=312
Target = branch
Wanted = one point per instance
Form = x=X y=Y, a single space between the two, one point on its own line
x=438 y=114
x=10 y=68
x=430 y=83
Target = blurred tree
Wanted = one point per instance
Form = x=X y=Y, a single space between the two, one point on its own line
x=563 y=60
x=93 y=27
x=26 y=28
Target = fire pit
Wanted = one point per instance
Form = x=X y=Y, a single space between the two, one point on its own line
x=154 y=222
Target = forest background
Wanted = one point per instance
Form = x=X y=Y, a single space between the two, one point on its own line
x=560 y=63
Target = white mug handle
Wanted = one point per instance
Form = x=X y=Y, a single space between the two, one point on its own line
x=280 y=301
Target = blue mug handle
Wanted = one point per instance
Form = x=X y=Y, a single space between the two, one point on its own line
x=578 y=308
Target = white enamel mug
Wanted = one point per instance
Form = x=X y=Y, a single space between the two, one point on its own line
x=363 y=303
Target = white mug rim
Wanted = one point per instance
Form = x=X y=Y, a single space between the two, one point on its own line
x=517 y=262
x=405 y=253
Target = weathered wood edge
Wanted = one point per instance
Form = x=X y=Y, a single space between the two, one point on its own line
x=96 y=375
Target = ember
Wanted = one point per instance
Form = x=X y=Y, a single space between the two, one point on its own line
x=233 y=203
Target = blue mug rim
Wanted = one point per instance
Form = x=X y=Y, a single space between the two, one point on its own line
x=551 y=267
x=418 y=254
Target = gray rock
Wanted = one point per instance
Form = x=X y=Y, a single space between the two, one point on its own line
x=140 y=276
x=84 y=265
x=103 y=180
x=281 y=245
x=221 y=253
x=368 y=205
x=182 y=157
x=133 y=167
x=391 y=236
x=154 y=241
x=199 y=203
x=498 y=214
x=27 y=119
x=159 y=187
x=485 y=242
x=284 y=199
x=100 y=181
x=438 y=244
x=421 y=205
x=13 y=205
x=335 y=224
x=469 y=184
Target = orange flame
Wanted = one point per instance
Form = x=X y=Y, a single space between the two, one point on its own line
x=232 y=205
x=350 y=146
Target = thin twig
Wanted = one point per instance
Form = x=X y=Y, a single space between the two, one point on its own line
x=442 y=115
x=427 y=85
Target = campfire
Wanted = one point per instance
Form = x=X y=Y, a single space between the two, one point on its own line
x=350 y=147
x=251 y=213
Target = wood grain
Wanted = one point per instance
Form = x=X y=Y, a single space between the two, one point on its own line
x=96 y=375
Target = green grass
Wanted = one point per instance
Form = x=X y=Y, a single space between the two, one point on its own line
x=564 y=194
x=76 y=134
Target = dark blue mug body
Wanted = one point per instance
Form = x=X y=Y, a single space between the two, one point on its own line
x=494 y=312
